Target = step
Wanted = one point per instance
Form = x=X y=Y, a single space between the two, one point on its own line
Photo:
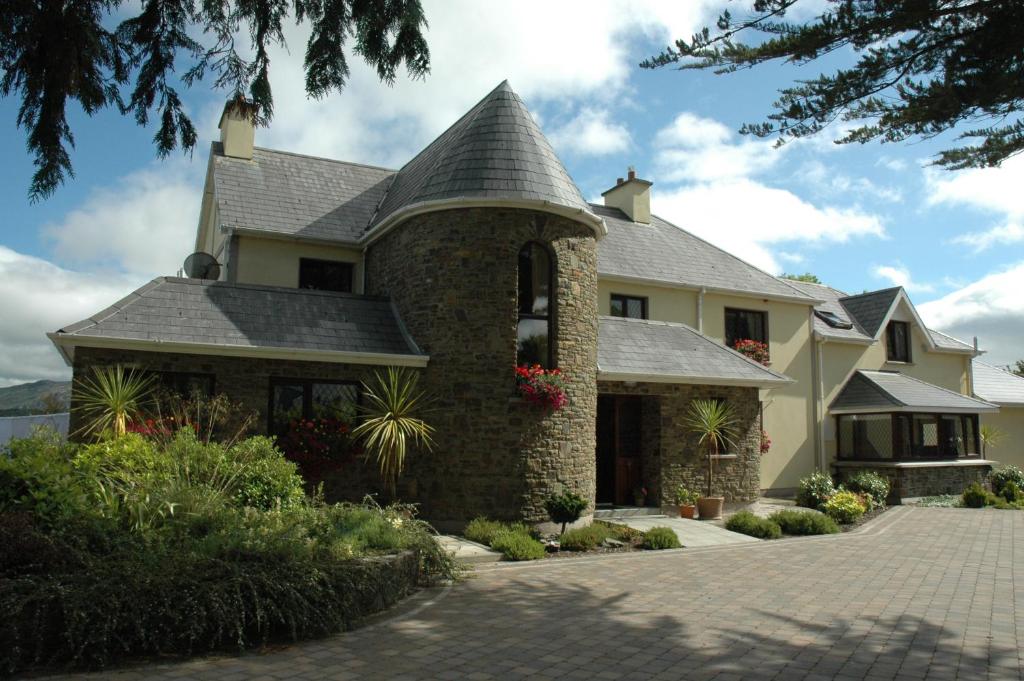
x=627 y=512
x=468 y=552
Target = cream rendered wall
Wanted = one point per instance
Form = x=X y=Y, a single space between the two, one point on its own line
x=788 y=410
x=663 y=304
x=1010 y=449
x=275 y=262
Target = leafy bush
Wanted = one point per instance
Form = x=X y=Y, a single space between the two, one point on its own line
x=1011 y=492
x=844 y=507
x=37 y=477
x=517 y=545
x=803 y=523
x=749 y=524
x=1000 y=477
x=686 y=496
x=871 y=484
x=482 y=531
x=815 y=490
x=266 y=478
x=621 y=532
x=565 y=508
x=584 y=538
x=975 y=496
x=658 y=538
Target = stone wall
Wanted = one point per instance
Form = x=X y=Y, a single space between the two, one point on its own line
x=453 y=277
x=922 y=481
x=681 y=462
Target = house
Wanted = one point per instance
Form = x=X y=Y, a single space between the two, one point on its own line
x=481 y=254
x=1005 y=389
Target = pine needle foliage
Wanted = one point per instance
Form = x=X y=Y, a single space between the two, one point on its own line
x=391 y=421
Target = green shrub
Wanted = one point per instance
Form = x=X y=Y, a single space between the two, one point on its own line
x=747 y=523
x=975 y=496
x=266 y=478
x=844 y=507
x=37 y=477
x=815 y=490
x=1000 y=477
x=623 y=533
x=871 y=484
x=565 y=508
x=482 y=531
x=517 y=545
x=1011 y=492
x=584 y=538
x=658 y=538
x=803 y=523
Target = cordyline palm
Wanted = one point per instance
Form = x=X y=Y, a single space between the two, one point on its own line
x=391 y=421
x=111 y=397
x=714 y=424
x=990 y=437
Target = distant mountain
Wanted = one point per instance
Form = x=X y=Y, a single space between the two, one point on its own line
x=34 y=398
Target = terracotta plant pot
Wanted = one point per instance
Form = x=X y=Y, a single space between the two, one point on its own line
x=687 y=511
x=710 y=508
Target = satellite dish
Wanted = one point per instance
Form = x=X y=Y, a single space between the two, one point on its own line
x=201 y=265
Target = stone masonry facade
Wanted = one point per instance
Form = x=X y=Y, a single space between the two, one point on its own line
x=671 y=456
x=923 y=481
x=453 y=277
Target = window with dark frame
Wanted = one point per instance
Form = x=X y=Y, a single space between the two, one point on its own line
x=325 y=275
x=745 y=325
x=293 y=399
x=898 y=341
x=534 y=340
x=907 y=436
x=186 y=383
x=633 y=307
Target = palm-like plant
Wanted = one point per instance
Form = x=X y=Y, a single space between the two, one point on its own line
x=990 y=437
x=111 y=397
x=391 y=421
x=715 y=425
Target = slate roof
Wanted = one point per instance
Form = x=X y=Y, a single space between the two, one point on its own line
x=662 y=252
x=998 y=386
x=171 y=310
x=832 y=303
x=869 y=309
x=495 y=151
x=947 y=342
x=673 y=353
x=891 y=391
x=295 y=195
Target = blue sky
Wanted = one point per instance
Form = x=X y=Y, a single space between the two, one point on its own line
x=860 y=217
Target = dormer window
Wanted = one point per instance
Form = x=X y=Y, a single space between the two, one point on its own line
x=325 y=275
x=897 y=337
x=832 y=319
x=536 y=306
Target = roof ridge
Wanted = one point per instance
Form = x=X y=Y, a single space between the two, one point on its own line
x=872 y=293
x=311 y=157
x=291 y=290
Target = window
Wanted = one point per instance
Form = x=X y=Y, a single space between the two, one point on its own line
x=745 y=325
x=293 y=399
x=898 y=341
x=186 y=383
x=907 y=437
x=325 y=275
x=536 y=303
x=633 y=307
x=833 y=320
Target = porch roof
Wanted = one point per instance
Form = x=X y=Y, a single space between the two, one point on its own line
x=889 y=391
x=662 y=352
x=195 y=316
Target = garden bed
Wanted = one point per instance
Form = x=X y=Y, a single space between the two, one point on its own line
x=518 y=541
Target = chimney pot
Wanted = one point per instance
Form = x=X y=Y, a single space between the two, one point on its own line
x=632 y=173
x=632 y=196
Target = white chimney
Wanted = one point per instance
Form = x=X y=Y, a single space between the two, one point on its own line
x=632 y=196
x=238 y=127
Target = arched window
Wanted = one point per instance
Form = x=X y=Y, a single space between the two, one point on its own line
x=536 y=306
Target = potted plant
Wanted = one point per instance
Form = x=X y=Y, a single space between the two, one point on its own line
x=714 y=424
x=686 y=499
x=640 y=495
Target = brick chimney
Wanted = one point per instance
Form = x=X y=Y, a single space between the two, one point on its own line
x=632 y=196
x=238 y=127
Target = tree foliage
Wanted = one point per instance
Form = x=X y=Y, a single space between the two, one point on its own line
x=923 y=67
x=54 y=53
x=805 y=277
x=1016 y=368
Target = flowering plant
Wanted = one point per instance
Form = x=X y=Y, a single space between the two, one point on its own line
x=545 y=387
x=319 y=446
x=755 y=350
x=766 y=442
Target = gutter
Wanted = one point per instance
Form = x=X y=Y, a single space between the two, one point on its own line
x=661 y=283
x=622 y=377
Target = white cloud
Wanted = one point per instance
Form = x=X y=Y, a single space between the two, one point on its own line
x=144 y=223
x=996 y=190
x=591 y=133
x=990 y=308
x=899 y=275
x=981 y=241
x=702 y=149
x=827 y=181
x=37 y=297
x=748 y=219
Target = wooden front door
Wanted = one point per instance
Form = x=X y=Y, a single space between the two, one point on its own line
x=619 y=469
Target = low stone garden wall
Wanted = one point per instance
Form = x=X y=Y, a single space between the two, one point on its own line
x=921 y=479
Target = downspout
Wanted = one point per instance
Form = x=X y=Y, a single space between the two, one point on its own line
x=700 y=309
x=970 y=368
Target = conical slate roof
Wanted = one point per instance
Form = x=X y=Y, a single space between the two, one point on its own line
x=494 y=154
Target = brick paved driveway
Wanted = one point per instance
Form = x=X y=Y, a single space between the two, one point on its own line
x=919 y=594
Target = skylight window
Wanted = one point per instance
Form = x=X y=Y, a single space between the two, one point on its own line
x=832 y=319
